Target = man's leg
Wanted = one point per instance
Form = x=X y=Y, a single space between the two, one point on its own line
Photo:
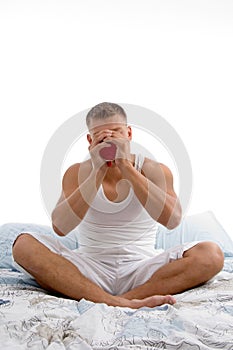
x=54 y=272
x=198 y=265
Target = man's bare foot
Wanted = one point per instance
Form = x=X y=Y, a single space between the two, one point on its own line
x=152 y=301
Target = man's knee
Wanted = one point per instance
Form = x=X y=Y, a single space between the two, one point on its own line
x=210 y=257
x=22 y=246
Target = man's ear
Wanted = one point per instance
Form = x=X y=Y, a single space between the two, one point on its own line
x=89 y=139
x=129 y=132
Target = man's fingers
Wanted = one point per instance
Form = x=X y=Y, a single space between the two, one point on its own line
x=102 y=134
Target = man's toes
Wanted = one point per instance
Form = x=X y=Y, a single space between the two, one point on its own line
x=169 y=299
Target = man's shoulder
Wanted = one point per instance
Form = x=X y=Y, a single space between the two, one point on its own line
x=148 y=163
x=74 y=170
x=152 y=168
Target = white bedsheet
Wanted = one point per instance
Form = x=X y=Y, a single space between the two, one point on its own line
x=30 y=318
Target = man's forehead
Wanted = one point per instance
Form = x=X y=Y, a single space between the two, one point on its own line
x=99 y=125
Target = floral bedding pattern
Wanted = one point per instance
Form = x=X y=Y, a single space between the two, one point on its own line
x=30 y=318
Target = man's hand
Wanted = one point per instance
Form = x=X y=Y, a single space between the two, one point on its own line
x=101 y=140
x=123 y=155
x=98 y=143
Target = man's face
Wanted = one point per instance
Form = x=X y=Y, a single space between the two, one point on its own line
x=115 y=125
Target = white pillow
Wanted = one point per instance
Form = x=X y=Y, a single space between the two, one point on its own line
x=9 y=232
x=198 y=227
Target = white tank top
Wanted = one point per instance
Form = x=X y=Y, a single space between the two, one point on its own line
x=122 y=228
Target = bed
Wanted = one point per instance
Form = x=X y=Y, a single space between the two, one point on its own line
x=202 y=318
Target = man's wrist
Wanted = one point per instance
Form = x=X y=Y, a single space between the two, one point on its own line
x=126 y=167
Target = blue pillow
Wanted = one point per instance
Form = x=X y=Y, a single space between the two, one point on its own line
x=198 y=227
x=9 y=232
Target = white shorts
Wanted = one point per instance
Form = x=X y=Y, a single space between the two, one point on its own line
x=113 y=272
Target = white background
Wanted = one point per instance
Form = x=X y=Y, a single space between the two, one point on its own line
x=61 y=57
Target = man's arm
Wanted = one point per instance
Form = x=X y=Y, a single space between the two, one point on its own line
x=154 y=189
x=79 y=187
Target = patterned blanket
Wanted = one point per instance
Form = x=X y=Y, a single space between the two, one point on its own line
x=30 y=318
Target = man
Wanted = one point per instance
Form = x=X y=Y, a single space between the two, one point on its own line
x=115 y=200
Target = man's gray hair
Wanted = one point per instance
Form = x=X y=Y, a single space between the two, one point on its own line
x=105 y=110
